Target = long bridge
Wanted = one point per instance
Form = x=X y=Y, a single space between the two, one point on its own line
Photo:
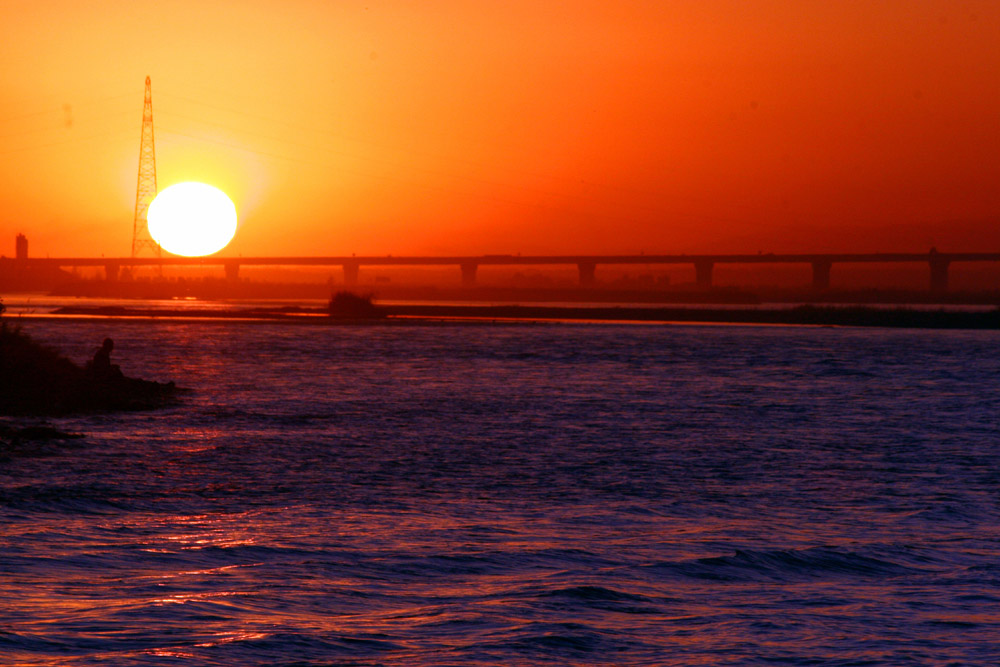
x=822 y=263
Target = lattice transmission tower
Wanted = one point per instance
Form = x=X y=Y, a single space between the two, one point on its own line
x=145 y=189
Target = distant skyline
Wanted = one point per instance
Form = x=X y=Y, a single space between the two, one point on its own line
x=470 y=128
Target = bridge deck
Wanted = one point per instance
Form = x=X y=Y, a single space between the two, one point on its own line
x=586 y=264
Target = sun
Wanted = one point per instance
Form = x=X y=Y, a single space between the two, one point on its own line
x=192 y=219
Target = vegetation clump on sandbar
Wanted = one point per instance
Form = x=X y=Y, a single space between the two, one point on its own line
x=350 y=306
x=36 y=379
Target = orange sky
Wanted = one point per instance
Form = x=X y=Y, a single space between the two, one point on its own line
x=503 y=127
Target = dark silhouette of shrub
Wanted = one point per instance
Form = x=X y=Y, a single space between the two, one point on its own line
x=348 y=305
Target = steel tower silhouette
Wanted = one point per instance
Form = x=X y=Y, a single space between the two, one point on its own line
x=145 y=189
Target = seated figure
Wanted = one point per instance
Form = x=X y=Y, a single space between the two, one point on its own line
x=101 y=365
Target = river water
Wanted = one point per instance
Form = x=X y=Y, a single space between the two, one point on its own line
x=523 y=494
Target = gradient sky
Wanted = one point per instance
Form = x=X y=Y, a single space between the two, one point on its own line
x=502 y=127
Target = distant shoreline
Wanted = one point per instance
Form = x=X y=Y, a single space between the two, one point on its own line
x=864 y=316
x=679 y=295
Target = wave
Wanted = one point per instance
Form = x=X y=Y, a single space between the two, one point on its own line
x=590 y=593
x=485 y=563
x=549 y=638
x=780 y=565
x=599 y=597
x=12 y=643
x=93 y=498
x=568 y=643
x=257 y=646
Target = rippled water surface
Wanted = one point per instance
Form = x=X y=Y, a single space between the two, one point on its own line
x=524 y=494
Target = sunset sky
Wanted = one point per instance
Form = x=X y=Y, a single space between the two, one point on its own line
x=449 y=127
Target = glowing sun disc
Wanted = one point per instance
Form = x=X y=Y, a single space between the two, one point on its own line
x=192 y=219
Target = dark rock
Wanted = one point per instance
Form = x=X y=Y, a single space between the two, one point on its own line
x=33 y=441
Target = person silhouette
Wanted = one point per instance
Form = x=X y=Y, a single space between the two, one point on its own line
x=101 y=365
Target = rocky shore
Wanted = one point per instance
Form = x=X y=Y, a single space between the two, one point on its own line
x=37 y=380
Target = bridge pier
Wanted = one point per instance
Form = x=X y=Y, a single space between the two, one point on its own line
x=232 y=271
x=939 y=272
x=703 y=272
x=587 y=271
x=111 y=271
x=821 y=274
x=469 y=273
x=351 y=273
